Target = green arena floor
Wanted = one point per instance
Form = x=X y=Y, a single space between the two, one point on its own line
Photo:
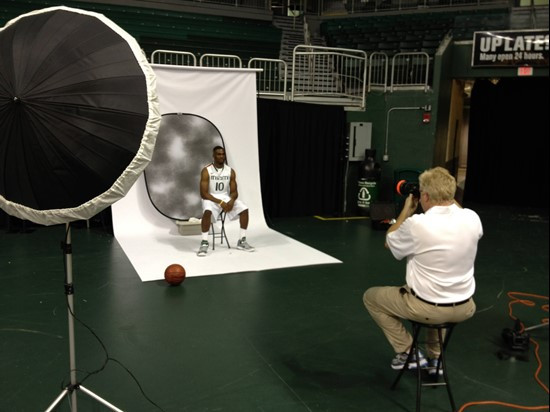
x=283 y=340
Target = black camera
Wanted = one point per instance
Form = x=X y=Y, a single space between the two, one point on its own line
x=404 y=188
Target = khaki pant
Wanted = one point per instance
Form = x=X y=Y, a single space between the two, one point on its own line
x=388 y=305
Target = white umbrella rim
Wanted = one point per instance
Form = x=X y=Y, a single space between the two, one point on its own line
x=129 y=176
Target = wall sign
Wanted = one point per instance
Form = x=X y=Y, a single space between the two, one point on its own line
x=510 y=48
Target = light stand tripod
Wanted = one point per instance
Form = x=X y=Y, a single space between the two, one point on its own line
x=69 y=291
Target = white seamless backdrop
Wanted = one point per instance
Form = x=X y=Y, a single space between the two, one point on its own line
x=226 y=97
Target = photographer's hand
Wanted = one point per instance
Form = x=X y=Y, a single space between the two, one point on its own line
x=410 y=206
x=411 y=203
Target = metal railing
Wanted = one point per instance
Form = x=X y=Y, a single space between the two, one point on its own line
x=272 y=80
x=334 y=7
x=183 y=58
x=248 y=4
x=378 y=71
x=329 y=75
x=220 y=60
x=266 y=8
x=324 y=75
x=410 y=70
x=176 y=58
x=339 y=7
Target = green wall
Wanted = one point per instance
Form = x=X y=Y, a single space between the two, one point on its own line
x=411 y=143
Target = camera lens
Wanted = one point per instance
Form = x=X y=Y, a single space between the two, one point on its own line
x=404 y=188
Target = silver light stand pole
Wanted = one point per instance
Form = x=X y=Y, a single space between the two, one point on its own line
x=69 y=291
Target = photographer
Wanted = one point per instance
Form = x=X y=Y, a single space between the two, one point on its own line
x=440 y=246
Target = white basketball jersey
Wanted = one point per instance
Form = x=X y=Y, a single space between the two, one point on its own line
x=219 y=180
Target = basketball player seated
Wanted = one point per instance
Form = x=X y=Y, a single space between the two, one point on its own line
x=219 y=194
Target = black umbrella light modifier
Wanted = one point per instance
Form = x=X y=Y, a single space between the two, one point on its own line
x=79 y=117
x=78 y=114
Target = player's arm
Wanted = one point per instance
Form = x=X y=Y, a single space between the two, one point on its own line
x=233 y=193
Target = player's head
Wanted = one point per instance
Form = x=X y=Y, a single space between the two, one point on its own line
x=218 y=153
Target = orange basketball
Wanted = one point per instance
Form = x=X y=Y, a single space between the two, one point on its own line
x=174 y=274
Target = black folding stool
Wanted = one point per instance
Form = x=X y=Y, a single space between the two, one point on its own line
x=441 y=365
x=221 y=234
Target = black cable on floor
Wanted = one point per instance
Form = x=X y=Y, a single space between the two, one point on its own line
x=107 y=357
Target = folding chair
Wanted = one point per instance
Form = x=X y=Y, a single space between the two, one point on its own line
x=221 y=234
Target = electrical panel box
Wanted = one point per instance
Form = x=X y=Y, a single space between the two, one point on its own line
x=360 y=136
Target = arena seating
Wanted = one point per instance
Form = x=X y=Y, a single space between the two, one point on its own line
x=162 y=29
x=466 y=23
x=409 y=32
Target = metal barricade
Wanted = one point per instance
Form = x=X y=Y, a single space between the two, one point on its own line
x=272 y=80
x=410 y=70
x=172 y=57
x=378 y=71
x=329 y=75
x=220 y=60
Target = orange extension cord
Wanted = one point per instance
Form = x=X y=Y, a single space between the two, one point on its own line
x=514 y=296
